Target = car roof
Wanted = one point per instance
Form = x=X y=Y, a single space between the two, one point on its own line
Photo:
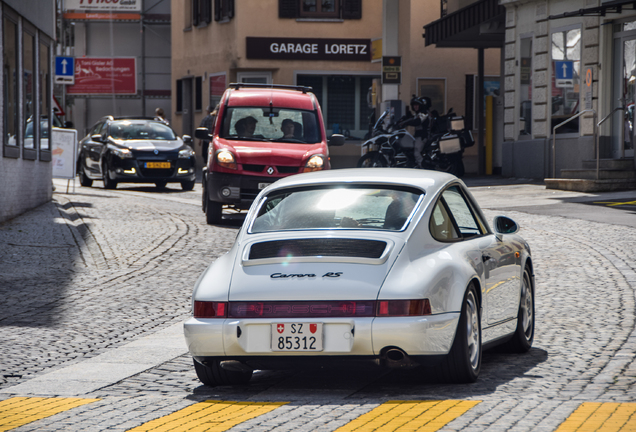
x=429 y=181
x=261 y=97
x=112 y=118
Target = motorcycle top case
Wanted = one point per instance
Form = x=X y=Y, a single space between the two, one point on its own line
x=467 y=139
x=450 y=144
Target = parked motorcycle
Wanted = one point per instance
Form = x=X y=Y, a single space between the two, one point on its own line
x=393 y=145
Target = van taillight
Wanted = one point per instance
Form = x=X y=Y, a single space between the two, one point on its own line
x=204 y=309
x=388 y=308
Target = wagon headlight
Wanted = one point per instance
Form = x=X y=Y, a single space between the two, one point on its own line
x=186 y=153
x=315 y=163
x=123 y=153
x=225 y=158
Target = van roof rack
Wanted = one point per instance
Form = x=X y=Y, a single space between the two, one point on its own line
x=303 y=89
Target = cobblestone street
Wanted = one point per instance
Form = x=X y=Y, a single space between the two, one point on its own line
x=89 y=273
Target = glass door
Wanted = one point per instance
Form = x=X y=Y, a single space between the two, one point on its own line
x=629 y=95
x=624 y=76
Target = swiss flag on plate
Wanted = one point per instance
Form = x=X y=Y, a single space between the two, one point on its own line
x=280 y=328
x=313 y=328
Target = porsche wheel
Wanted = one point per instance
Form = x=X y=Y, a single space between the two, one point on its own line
x=463 y=362
x=108 y=182
x=524 y=334
x=372 y=160
x=213 y=375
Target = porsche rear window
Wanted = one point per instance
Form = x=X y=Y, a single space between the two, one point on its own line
x=337 y=208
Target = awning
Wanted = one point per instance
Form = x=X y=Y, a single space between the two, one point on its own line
x=478 y=25
x=616 y=6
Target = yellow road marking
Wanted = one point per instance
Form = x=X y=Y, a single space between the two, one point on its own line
x=425 y=416
x=613 y=203
x=18 y=411
x=606 y=417
x=211 y=415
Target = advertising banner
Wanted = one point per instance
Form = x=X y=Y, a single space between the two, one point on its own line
x=103 y=5
x=64 y=153
x=104 y=76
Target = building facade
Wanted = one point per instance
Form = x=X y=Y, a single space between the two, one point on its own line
x=334 y=47
x=132 y=39
x=28 y=35
x=564 y=59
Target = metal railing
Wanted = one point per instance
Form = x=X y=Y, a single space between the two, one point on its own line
x=554 y=140
x=598 y=126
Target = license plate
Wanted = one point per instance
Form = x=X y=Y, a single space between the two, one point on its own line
x=263 y=185
x=157 y=165
x=297 y=337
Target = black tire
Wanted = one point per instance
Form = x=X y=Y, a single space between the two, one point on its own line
x=463 y=362
x=213 y=212
x=204 y=196
x=108 y=182
x=214 y=375
x=524 y=334
x=187 y=185
x=372 y=160
x=83 y=178
x=161 y=184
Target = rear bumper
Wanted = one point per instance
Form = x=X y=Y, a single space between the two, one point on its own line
x=249 y=340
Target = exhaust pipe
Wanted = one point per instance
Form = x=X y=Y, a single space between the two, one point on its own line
x=396 y=358
x=235 y=366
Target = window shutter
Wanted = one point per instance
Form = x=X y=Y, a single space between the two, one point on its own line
x=217 y=10
x=288 y=8
x=207 y=10
x=179 y=96
x=195 y=12
x=352 y=9
x=230 y=9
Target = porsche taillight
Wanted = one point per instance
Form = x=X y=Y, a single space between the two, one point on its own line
x=206 y=309
x=396 y=308
x=302 y=309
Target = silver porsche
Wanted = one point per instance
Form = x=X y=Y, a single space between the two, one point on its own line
x=395 y=267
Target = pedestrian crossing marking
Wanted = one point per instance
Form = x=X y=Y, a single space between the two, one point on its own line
x=425 y=416
x=607 y=416
x=211 y=416
x=18 y=411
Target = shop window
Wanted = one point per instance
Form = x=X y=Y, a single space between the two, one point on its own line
x=335 y=9
x=366 y=105
x=525 y=87
x=223 y=10
x=341 y=103
x=44 y=77
x=10 y=84
x=566 y=68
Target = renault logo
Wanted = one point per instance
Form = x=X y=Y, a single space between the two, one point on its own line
x=270 y=170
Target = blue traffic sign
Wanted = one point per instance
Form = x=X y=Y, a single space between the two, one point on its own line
x=564 y=70
x=64 y=70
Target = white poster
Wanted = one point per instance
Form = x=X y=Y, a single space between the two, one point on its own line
x=103 y=6
x=64 y=152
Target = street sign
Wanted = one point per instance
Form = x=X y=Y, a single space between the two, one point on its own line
x=391 y=70
x=64 y=70
x=564 y=73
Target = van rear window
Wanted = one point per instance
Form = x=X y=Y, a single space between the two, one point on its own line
x=271 y=124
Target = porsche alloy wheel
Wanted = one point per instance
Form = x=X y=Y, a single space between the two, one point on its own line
x=463 y=362
x=213 y=374
x=524 y=334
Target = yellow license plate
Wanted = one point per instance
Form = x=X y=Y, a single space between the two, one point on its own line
x=157 y=164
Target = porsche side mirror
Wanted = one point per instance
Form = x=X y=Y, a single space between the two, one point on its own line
x=187 y=139
x=336 y=140
x=505 y=225
x=202 y=133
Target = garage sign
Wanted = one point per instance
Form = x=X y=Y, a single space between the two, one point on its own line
x=308 y=49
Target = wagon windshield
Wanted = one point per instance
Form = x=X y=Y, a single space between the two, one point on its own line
x=285 y=125
x=337 y=208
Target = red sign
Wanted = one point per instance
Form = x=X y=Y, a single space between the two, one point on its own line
x=104 y=76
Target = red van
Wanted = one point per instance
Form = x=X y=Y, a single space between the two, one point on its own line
x=262 y=133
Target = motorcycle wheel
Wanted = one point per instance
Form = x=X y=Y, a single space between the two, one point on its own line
x=372 y=160
x=451 y=164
